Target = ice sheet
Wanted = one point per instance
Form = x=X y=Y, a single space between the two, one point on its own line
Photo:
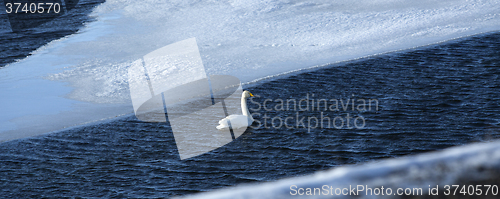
x=452 y=166
x=247 y=39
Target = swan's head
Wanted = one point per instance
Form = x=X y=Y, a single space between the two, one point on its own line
x=246 y=94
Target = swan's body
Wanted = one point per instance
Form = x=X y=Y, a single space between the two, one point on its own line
x=238 y=121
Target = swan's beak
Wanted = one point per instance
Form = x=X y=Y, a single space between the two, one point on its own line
x=251 y=95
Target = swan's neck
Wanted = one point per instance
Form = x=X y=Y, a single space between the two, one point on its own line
x=244 y=108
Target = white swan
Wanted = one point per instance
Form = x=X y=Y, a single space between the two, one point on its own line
x=238 y=121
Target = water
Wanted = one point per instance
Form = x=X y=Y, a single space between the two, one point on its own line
x=430 y=98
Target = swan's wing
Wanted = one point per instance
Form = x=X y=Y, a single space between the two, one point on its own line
x=223 y=121
x=229 y=118
x=237 y=121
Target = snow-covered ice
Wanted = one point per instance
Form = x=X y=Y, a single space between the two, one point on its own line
x=83 y=77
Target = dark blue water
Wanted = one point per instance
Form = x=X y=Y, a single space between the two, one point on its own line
x=20 y=44
x=429 y=99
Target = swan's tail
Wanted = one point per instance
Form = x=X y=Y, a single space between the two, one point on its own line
x=223 y=121
x=223 y=124
x=220 y=127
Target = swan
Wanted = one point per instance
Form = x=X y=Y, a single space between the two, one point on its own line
x=238 y=121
